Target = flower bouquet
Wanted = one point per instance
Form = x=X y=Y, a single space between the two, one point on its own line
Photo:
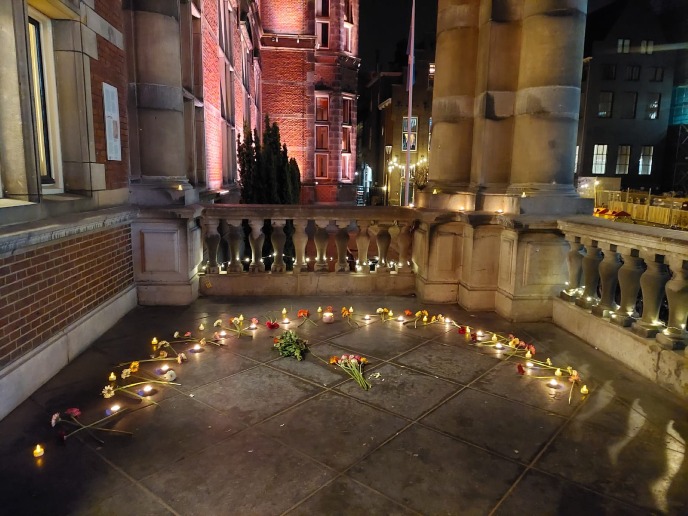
x=353 y=365
x=290 y=345
x=71 y=417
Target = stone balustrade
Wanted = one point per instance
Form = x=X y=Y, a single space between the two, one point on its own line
x=333 y=249
x=624 y=273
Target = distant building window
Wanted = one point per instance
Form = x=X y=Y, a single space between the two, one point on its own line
x=645 y=168
x=656 y=74
x=652 y=108
x=346 y=111
x=322 y=34
x=431 y=76
x=346 y=167
x=348 y=12
x=429 y=133
x=629 y=99
x=599 y=159
x=347 y=39
x=608 y=72
x=632 y=73
x=575 y=164
x=322 y=137
x=623 y=46
x=321 y=165
x=647 y=47
x=322 y=109
x=346 y=139
x=322 y=8
x=623 y=159
x=604 y=106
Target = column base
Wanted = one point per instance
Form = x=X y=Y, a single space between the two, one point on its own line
x=673 y=341
x=602 y=311
x=566 y=296
x=586 y=303
x=645 y=330
x=623 y=321
x=168 y=295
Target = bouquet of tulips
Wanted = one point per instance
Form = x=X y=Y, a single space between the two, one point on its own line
x=353 y=365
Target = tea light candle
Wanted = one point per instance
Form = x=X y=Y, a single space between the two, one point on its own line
x=366 y=317
x=38 y=451
x=112 y=410
x=223 y=334
x=557 y=372
x=196 y=349
x=154 y=341
x=553 y=383
x=286 y=320
x=528 y=354
x=112 y=377
x=252 y=326
x=425 y=318
x=584 y=390
x=499 y=345
x=447 y=322
x=479 y=333
x=284 y=312
x=400 y=318
x=328 y=317
x=529 y=364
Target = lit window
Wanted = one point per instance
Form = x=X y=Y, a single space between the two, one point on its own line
x=652 y=108
x=623 y=159
x=44 y=101
x=322 y=8
x=321 y=165
x=632 y=73
x=645 y=168
x=322 y=137
x=346 y=111
x=347 y=39
x=322 y=109
x=604 y=107
x=623 y=46
x=322 y=34
x=431 y=75
x=346 y=167
x=575 y=164
x=599 y=159
x=346 y=139
x=628 y=103
x=348 y=12
x=647 y=47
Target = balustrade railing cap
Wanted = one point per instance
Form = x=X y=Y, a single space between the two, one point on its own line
x=278 y=211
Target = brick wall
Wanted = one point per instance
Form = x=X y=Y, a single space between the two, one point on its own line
x=211 y=93
x=110 y=68
x=287 y=16
x=46 y=289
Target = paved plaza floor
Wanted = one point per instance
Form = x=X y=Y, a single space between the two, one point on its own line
x=448 y=427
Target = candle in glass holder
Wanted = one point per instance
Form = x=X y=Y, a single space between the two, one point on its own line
x=328 y=317
x=38 y=451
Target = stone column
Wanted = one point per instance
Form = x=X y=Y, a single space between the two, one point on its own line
x=652 y=284
x=341 y=239
x=591 y=275
x=383 y=239
x=235 y=240
x=609 y=279
x=256 y=239
x=629 y=282
x=363 y=243
x=453 y=94
x=300 y=239
x=321 y=239
x=548 y=97
x=212 y=242
x=574 y=260
x=404 y=240
x=157 y=94
x=278 y=239
x=675 y=335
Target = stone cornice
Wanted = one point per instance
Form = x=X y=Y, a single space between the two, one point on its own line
x=22 y=237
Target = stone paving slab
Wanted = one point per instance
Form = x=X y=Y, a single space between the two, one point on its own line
x=447 y=428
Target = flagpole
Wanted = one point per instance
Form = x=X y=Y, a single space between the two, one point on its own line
x=409 y=82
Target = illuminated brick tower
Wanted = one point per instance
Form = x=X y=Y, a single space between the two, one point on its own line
x=309 y=80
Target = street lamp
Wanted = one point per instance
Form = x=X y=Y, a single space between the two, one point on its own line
x=388 y=151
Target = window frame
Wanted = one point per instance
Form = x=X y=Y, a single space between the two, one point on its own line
x=326 y=111
x=599 y=159
x=622 y=165
x=319 y=25
x=321 y=158
x=624 y=115
x=652 y=113
x=321 y=128
x=648 y=165
x=623 y=46
x=608 y=112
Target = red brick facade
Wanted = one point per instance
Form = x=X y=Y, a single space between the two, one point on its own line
x=46 y=289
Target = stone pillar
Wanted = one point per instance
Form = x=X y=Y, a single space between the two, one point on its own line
x=212 y=242
x=383 y=239
x=256 y=239
x=453 y=94
x=278 y=239
x=321 y=239
x=235 y=241
x=609 y=279
x=548 y=98
x=574 y=261
x=591 y=274
x=629 y=282
x=300 y=239
x=652 y=284
x=404 y=241
x=675 y=335
x=156 y=92
x=363 y=243
x=341 y=239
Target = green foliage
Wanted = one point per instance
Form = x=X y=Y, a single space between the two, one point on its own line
x=268 y=175
x=290 y=345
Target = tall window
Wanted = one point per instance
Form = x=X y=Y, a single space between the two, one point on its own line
x=322 y=8
x=575 y=164
x=645 y=166
x=652 y=107
x=346 y=139
x=656 y=74
x=44 y=100
x=632 y=73
x=346 y=111
x=346 y=167
x=604 y=106
x=347 y=39
x=320 y=165
x=623 y=46
x=608 y=72
x=629 y=100
x=348 y=12
x=647 y=47
x=322 y=34
x=599 y=159
x=322 y=137
x=623 y=159
x=322 y=109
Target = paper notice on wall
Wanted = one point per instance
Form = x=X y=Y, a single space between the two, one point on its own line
x=112 y=134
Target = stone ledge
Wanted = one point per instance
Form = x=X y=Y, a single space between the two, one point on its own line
x=647 y=357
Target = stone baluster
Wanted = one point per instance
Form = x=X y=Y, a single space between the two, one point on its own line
x=574 y=260
x=652 y=284
x=609 y=279
x=404 y=241
x=235 y=241
x=383 y=240
x=278 y=239
x=675 y=335
x=341 y=239
x=591 y=274
x=629 y=282
x=212 y=242
x=321 y=239
x=256 y=239
x=300 y=240
x=363 y=243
